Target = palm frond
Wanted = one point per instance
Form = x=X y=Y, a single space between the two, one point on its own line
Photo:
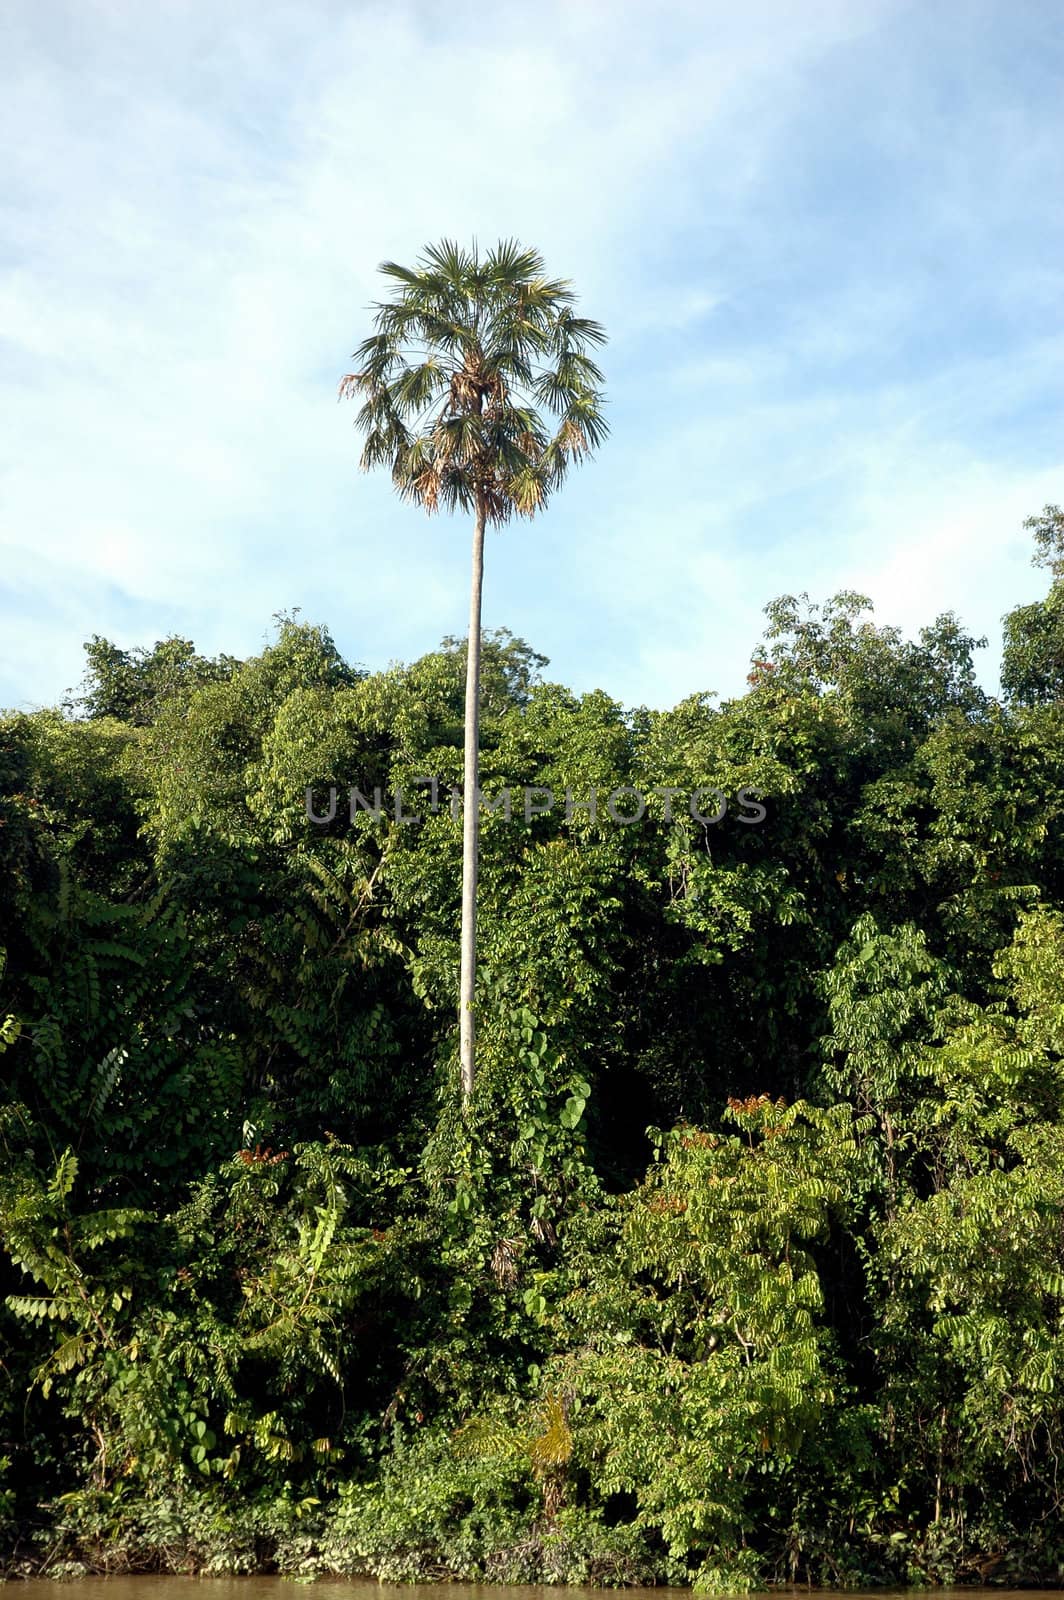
x=465 y=357
x=453 y=264
x=579 y=330
x=513 y=263
x=407 y=275
x=416 y=387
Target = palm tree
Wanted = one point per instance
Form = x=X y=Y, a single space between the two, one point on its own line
x=466 y=354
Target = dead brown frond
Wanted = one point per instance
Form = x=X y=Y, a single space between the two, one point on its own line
x=504 y=1259
x=544 y=1231
x=572 y=438
x=351 y=385
x=427 y=487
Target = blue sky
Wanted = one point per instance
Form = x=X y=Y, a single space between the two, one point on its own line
x=826 y=239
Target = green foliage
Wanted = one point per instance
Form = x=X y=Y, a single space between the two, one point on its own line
x=134 y=685
x=1032 y=662
x=268 y=1300
x=443 y=1509
x=698 y=1359
x=108 y=1052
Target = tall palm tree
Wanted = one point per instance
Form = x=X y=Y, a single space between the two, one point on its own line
x=467 y=354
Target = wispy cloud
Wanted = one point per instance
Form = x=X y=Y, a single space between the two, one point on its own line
x=835 y=330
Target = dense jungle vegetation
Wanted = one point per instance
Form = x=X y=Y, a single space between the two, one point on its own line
x=747 y=1263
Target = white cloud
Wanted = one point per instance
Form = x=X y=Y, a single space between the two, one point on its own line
x=197 y=201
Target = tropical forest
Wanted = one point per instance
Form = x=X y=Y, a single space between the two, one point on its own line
x=453 y=1127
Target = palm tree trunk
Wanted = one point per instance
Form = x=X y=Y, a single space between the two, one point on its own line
x=471 y=816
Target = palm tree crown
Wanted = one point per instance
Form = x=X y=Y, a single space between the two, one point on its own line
x=464 y=360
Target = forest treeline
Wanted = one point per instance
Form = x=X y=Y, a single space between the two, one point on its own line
x=746 y=1263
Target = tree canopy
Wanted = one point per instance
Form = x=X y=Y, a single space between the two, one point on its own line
x=747 y=1264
